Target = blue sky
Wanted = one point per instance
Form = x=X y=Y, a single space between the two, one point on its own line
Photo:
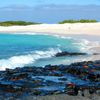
x=49 y=11
x=39 y=2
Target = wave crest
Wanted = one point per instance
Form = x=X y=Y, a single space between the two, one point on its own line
x=22 y=60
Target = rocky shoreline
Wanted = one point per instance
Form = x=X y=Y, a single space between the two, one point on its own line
x=71 y=79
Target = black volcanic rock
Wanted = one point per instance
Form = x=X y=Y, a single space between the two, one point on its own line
x=59 y=54
x=51 y=79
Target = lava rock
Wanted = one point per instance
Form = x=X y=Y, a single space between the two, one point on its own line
x=69 y=54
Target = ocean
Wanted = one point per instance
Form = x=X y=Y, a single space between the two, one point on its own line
x=19 y=50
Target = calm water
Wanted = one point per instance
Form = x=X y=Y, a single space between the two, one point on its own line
x=39 y=50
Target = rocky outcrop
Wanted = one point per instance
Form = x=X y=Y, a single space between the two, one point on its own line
x=52 y=79
x=59 y=54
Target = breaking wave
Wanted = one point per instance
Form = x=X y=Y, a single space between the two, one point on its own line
x=22 y=60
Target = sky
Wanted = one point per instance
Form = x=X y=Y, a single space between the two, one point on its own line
x=39 y=2
x=49 y=11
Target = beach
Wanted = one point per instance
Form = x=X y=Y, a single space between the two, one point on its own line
x=56 y=29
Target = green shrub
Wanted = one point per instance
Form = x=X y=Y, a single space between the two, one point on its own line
x=11 y=23
x=78 y=21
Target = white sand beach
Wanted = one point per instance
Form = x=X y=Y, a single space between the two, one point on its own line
x=58 y=29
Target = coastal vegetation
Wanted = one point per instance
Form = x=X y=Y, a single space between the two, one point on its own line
x=21 y=23
x=78 y=21
x=12 y=23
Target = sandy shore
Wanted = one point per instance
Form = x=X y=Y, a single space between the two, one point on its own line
x=59 y=29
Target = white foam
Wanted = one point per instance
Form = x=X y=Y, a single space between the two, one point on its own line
x=22 y=60
x=86 y=45
x=22 y=33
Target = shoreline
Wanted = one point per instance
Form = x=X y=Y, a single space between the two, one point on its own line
x=51 y=28
x=93 y=38
x=91 y=29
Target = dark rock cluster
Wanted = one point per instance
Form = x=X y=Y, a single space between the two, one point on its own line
x=52 y=79
x=65 y=53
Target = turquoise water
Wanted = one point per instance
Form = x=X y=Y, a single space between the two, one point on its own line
x=22 y=50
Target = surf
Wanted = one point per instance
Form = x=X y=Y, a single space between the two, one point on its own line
x=22 y=60
x=19 y=50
